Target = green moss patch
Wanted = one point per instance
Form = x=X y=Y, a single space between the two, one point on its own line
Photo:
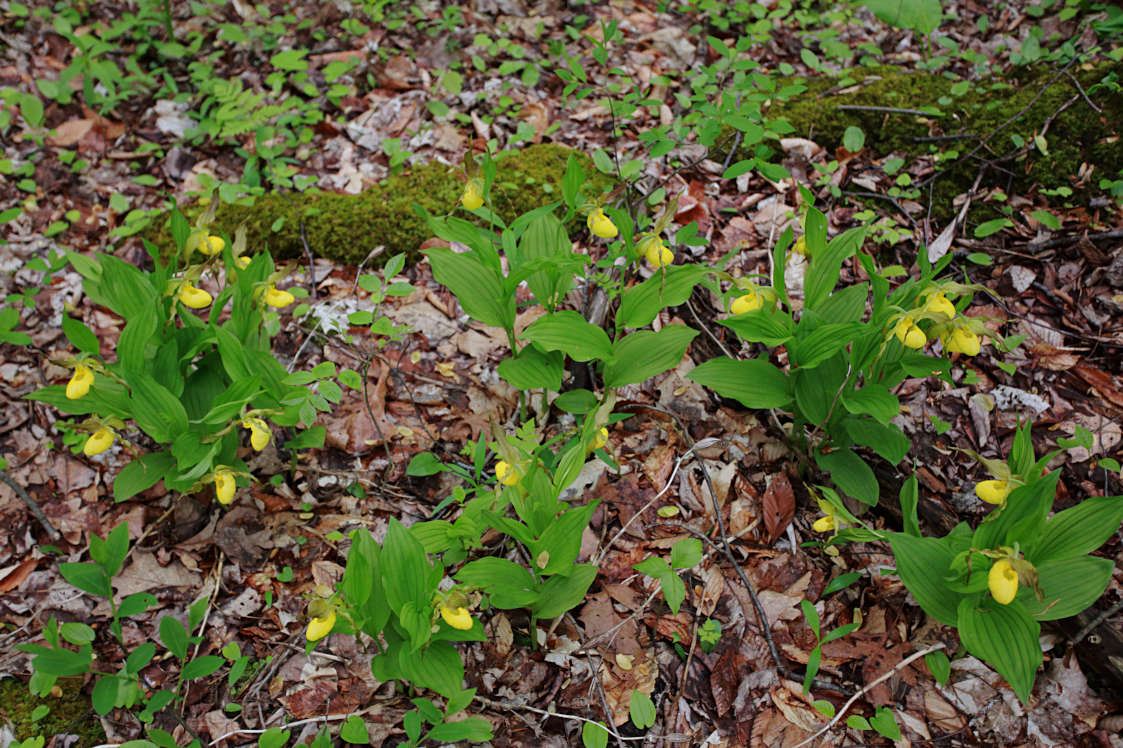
x=347 y=228
x=1077 y=135
x=67 y=714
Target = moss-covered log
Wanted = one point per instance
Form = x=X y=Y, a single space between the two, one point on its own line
x=347 y=228
x=1076 y=134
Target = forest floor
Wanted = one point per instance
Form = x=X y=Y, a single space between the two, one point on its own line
x=1049 y=254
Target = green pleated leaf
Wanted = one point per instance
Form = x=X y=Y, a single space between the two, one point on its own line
x=569 y=332
x=533 y=369
x=1005 y=636
x=479 y=289
x=645 y=353
x=1077 y=531
x=754 y=383
x=851 y=474
x=640 y=303
x=1069 y=586
x=922 y=563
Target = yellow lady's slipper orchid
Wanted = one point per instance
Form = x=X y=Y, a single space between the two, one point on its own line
x=243 y=262
x=278 y=299
x=993 y=491
x=750 y=302
x=318 y=628
x=505 y=475
x=937 y=303
x=259 y=432
x=194 y=298
x=658 y=255
x=80 y=382
x=458 y=618
x=827 y=523
x=962 y=340
x=601 y=225
x=99 y=441
x=473 y=196
x=224 y=485
x=1002 y=581
x=909 y=333
x=600 y=438
x=212 y=245
x=800 y=246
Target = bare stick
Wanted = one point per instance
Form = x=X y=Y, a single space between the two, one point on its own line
x=865 y=689
x=31 y=505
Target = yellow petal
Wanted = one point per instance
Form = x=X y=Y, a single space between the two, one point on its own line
x=505 y=474
x=472 y=197
x=938 y=304
x=224 y=486
x=458 y=618
x=212 y=245
x=318 y=628
x=750 y=302
x=992 y=491
x=601 y=225
x=800 y=246
x=194 y=298
x=278 y=299
x=909 y=334
x=243 y=262
x=825 y=524
x=80 y=382
x=962 y=340
x=98 y=442
x=259 y=432
x=600 y=439
x=1002 y=582
x=658 y=255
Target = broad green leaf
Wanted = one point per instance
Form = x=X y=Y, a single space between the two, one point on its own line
x=1077 y=531
x=532 y=369
x=846 y=305
x=80 y=336
x=472 y=729
x=922 y=564
x=560 y=593
x=767 y=325
x=508 y=584
x=63 y=662
x=885 y=723
x=437 y=667
x=645 y=353
x=544 y=237
x=686 y=553
x=939 y=666
x=479 y=290
x=578 y=402
x=569 y=332
x=173 y=636
x=755 y=383
x=405 y=569
x=1069 y=587
x=87 y=577
x=594 y=735
x=874 y=399
x=850 y=473
x=641 y=709
x=640 y=303
x=674 y=591
x=853 y=139
x=888 y=441
x=1023 y=517
x=141 y=474
x=823 y=272
x=993 y=226
x=201 y=667
x=909 y=498
x=919 y=15
x=1005 y=636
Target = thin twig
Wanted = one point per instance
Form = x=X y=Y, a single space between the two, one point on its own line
x=31 y=505
x=885 y=109
x=1080 y=88
x=867 y=688
x=762 y=616
x=1097 y=621
x=560 y=715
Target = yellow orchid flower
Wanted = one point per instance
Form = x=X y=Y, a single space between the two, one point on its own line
x=473 y=196
x=800 y=247
x=909 y=333
x=80 y=382
x=750 y=302
x=937 y=303
x=993 y=491
x=658 y=255
x=1002 y=580
x=600 y=438
x=243 y=262
x=318 y=628
x=99 y=441
x=224 y=485
x=826 y=523
x=212 y=245
x=194 y=298
x=506 y=475
x=601 y=225
x=278 y=299
x=458 y=618
x=962 y=340
x=259 y=432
